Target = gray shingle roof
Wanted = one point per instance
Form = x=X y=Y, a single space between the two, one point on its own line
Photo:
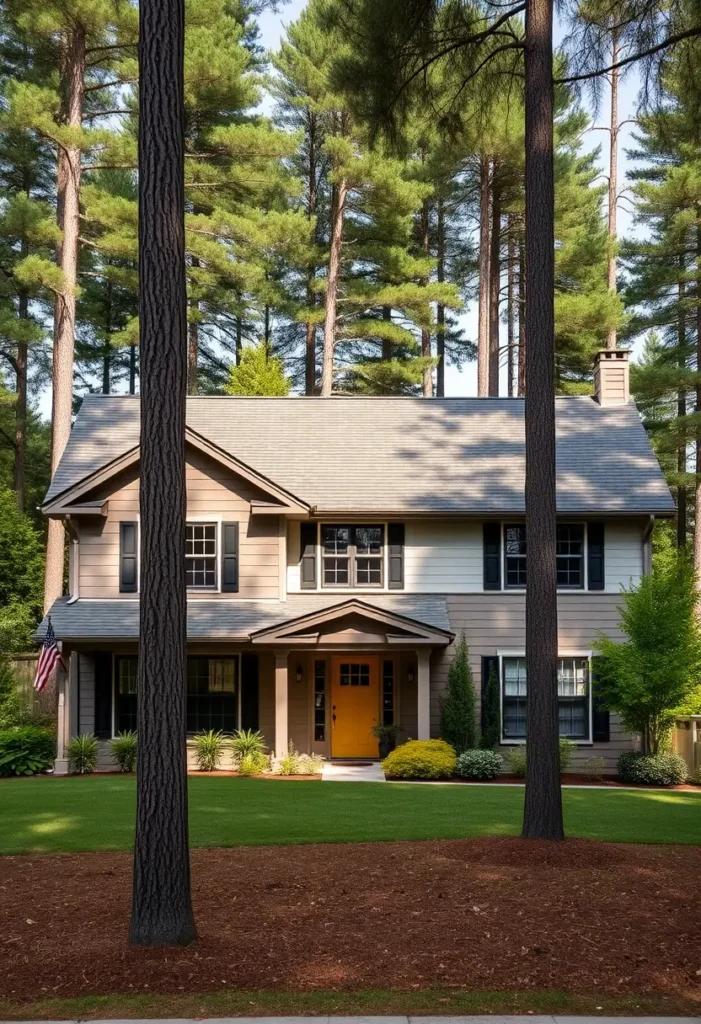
x=226 y=619
x=398 y=455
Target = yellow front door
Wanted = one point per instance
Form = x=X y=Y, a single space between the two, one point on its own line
x=355 y=700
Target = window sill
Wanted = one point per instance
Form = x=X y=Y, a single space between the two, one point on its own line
x=522 y=743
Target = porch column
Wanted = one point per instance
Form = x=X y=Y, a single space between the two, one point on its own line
x=67 y=683
x=423 y=693
x=281 y=733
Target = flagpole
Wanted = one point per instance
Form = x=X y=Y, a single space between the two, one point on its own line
x=61 y=762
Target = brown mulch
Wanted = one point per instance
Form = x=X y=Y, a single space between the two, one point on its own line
x=499 y=914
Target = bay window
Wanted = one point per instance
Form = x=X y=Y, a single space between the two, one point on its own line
x=574 y=698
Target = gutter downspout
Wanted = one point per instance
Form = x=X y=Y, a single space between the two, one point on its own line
x=647 y=546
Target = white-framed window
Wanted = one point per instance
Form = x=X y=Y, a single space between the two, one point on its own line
x=574 y=697
x=570 y=556
x=352 y=556
x=201 y=555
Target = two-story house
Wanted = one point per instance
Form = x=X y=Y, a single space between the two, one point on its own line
x=335 y=548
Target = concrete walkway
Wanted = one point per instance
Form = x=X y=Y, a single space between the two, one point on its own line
x=332 y=772
x=491 y=1018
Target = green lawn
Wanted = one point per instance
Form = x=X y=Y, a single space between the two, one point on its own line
x=97 y=813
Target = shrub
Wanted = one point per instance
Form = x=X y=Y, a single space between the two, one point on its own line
x=594 y=768
x=479 y=764
x=420 y=759
x=517 y=761
x=294 y=763
x=209 y=747
x=123 y=749
x=12 y=709
x=458 y=705
x=254 y=763
x=82 y=754
x=27 y=750
x=695 y=776
x=652 y=769
x=517 y=758
x=245 y=742
x=491 y=712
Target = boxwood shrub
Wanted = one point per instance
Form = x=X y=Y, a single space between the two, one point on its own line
x=420 y=759
x=27 y=750
x=652 y=769
x=479 y=764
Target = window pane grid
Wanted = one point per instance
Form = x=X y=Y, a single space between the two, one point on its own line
x=569 y=555
x=319 y=701
x=388 y=693
x=355 y=674
x=201 y=556
x=573 y=698
x=515 y=555
x=352 y=556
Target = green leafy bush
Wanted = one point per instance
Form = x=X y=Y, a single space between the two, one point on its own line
x=517 y=758
x=294 y=763
x=479 y=764
x=27 y=750
x=246 y=742
x=420 y=759
x=82 y=752
x=517 y=761
x=652 y=769
x=695 y=776
x=209 y=747
x=254 y=763
x=12 y=710
x=123 y=750
x=458 y=705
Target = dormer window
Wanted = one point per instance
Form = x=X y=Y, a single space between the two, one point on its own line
x=352 y=556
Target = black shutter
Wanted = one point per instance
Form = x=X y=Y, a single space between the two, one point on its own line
x=601 y=719
x=103 y=694
x=307 y=544
x=491 y=536
x=128 y=548
x=490 y=663
x=395 y=542
x=249 y=691
x=595 y=556
x=230 y=557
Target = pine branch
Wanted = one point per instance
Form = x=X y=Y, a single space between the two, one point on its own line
x=690 y=33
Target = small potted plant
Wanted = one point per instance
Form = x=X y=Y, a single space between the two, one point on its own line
x=386 y=736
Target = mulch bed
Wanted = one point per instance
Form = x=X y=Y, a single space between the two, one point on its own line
x=567 y=779
x=499 y=914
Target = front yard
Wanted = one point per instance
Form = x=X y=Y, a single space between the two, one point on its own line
x=45 y=815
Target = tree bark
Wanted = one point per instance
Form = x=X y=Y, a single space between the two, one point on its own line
x=22 y=359
x=239 y=341
x=338 y=209
x=68 y=215
x=611 y=337
x=162 y=908
x=193 y=340
x=542 y=818
x=132 y=369
x=427 y=385
x=522 y=340
x=697 y=462
x=107 y=352
x=440 y=308
x=312 y=202
x=511 y=313
x=494 y=285
x=483 y=312
x=681 y=411
x=386 y=353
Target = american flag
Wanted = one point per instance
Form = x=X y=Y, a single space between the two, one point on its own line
x=48 y=657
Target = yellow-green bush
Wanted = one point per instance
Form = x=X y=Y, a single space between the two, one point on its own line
x=420 y=759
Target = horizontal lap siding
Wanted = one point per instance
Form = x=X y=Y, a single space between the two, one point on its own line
x=623 y=554
x=442 y=557
x=211 y=491
x=496 y=622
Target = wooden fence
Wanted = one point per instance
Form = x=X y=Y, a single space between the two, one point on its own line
x=687 y=741
x=41 y=706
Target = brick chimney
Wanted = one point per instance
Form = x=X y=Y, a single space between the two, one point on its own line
x=611 y=376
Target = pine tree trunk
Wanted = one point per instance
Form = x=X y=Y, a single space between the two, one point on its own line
x=681 y=412
x=483 y=313
x=107 y=353
x=522 y=340
x=338 y=209
x=193 y=340
x=386 y=353
x=440 y=308
x=68 y=214
x=542 y=818
x=427 y=386
x=312 y=203
x=697 y=466
x=494 y=284
x=162 y=909
x=511 y=313
x=239 y=341
x=611 y=337
x=132 y=369
x=22 y=358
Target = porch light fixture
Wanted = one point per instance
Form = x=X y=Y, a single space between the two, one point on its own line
x=410 y=675
x=299 y=673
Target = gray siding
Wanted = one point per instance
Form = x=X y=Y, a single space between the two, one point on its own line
x=497 y=622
